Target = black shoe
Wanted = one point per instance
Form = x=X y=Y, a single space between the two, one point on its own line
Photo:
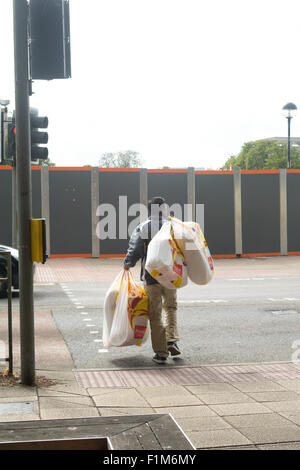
x=159 y=359
x=173 y=349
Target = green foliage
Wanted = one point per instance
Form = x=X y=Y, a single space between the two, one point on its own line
x=264 y=155
x=127 y=159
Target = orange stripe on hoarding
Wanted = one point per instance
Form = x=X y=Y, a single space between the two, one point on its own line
x=293 y=253
x=120 y=255
x=8 y=167
x=256 y=255
x=72 y=255
x=167 y=170
x=70 y=168
x=118 y=169
x=214 y=172
x=293 y=170
x=223 y=256
x=257 y=172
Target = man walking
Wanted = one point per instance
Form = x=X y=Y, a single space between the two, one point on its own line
x=164 y=337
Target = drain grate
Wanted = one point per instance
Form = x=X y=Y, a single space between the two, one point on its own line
x=16 y=408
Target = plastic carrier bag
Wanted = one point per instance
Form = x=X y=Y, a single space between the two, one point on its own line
x=165 y=261
x=192 y=243
x=125 y=319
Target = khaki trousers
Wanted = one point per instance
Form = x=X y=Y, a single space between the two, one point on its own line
x=162 y=298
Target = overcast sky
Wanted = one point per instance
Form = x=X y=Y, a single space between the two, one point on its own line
x=182 y=82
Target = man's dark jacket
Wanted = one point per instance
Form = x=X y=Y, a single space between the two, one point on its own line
x=138 y=245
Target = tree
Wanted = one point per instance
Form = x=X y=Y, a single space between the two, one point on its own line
x=127 y=159
x=46 y=162
x=264 y=155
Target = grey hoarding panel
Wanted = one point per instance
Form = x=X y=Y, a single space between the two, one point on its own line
x=112 y=185
x=216 y=192
x=36 y=194
x=261 y=213
x=293 y=211
x=70 y=212
x=5 y=207
x=171 y=186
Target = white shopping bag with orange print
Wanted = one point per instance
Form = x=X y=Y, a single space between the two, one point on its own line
x=125 y=319
x=165 y=261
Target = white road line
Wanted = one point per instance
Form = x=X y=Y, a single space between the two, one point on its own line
x=90 y=326
x=194 y=302
x=102 y=350
x=81 y=306
x=290 y=299
x=86 y=319
x=98 y=340
x=83 y=313
x=94 y=332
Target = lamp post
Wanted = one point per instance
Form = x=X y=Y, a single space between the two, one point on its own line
x=289 y=111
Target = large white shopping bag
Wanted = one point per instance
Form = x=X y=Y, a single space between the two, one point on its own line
x=125 y=318
x=192 y=243
x=165 y=261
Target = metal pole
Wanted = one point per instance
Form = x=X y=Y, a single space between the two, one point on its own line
x=10 y=339
x=289 y=142
x=23 y=167
x=238 y=220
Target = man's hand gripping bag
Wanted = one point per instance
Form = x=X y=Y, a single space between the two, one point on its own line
x=125 y=319
x=165 y=261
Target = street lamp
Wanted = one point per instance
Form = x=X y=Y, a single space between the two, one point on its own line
x=289 y=111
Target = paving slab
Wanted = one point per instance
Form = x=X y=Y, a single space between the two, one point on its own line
x=281 y=446
x=212 y=388
x=267 y=434
x=187 y=411
x=291 y=405
x=202 y=423
x=240 y=409
x=218 y=438
x=117 y=398
x=219 y=398
x=274 y=396
x=168 y=396
x=290 y=384
x=58 y=413
x=19 y=417
x=256 y=420
x=124 y=411
x=72 y=401
x=17 y=391
x=68 y=389
x=261 y=386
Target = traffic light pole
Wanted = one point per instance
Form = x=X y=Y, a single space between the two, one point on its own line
x=23 y=170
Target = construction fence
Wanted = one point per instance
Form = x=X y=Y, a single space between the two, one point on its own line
x=243 y=213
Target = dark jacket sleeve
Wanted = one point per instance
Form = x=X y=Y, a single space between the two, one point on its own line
x=136 y=248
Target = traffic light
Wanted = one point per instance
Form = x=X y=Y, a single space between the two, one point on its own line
x=11 y=139
x=49 y=45
x=37 y=137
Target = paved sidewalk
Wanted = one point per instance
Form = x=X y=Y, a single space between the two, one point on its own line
x=240 y=406
x=225 y=410
x=105 y=269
